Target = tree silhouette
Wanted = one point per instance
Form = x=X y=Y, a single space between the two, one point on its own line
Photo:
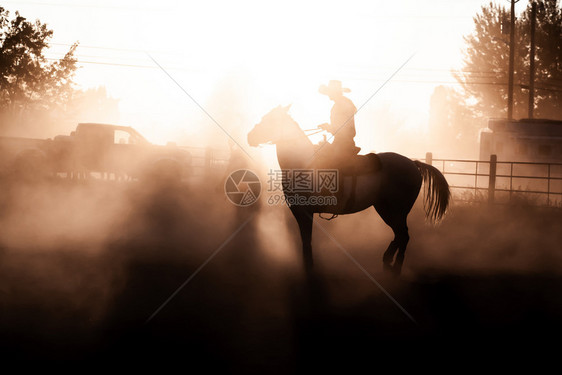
x=27 y=79
x=548 y=60
x=484 y=76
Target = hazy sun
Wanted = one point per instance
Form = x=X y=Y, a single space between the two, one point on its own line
x=285 y=51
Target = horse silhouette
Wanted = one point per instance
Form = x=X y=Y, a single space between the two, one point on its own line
x=387 y=181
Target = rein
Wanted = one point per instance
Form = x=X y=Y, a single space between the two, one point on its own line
x=312 y=131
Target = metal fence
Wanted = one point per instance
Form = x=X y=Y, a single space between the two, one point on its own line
x=491 y=180
x=205 y=159
x=502 y=181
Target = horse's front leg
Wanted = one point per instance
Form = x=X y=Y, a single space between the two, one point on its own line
x=304 y=219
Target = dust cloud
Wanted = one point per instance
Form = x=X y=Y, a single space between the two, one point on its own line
x=84 y=264
x=130 y=269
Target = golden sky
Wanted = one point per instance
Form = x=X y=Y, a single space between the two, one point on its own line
x=278 y=51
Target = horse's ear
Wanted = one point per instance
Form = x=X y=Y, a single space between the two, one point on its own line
x=286 y=108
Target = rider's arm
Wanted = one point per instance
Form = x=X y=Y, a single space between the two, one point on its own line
x=326 y=126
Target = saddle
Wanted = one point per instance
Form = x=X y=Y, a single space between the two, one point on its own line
x=359 y=165
x=347 y=165
x=346 y=161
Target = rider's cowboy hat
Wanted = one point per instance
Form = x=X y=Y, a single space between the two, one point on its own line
x=334 y=86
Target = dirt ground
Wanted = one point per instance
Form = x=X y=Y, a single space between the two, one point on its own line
x=116 y=271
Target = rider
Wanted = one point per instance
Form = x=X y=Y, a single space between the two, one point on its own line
x=342 y=122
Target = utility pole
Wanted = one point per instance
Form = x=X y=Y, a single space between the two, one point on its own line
x=532 y=60
x=511 y=60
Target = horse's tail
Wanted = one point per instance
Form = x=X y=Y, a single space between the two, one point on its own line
x=437 y=193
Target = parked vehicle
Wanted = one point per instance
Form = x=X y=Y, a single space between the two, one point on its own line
x=111 y=151
x=525 y=140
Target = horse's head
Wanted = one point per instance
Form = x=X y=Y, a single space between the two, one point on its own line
x=272 y=128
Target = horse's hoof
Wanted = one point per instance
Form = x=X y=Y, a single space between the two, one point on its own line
x=395 y=269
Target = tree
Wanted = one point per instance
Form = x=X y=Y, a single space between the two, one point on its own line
x=484 y=76
x=28 y=81
x=548 y=61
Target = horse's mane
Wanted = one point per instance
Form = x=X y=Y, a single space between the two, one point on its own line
x=298 y=129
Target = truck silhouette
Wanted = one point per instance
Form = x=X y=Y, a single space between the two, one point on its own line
x=113 y=151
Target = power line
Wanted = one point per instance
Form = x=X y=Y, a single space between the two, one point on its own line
x=116 y=64
x=74 y=5
x=473 y=73
x=167 y=9
x=111 y=48
x=480 y=74
x=124 y=65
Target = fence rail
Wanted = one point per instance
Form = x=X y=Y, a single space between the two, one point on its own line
x=498 y=181
x=205 y=160
x=503 y=181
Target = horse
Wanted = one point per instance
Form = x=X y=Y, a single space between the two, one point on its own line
x=391 y=188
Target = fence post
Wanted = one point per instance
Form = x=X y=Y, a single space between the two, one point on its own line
x=492 y=180
x=208 y=160
x=429 y=158
x=548 y=188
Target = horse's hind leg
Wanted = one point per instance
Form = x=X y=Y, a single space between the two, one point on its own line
x=402 y=237
x=388 y=256
x=396 y=220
